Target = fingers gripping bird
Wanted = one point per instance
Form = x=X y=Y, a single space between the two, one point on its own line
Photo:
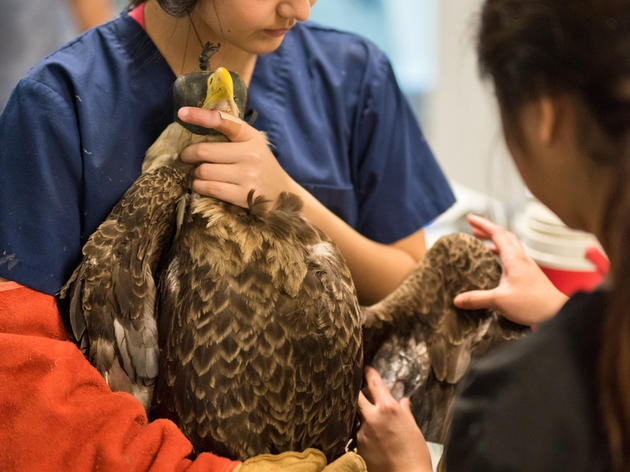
x=250 y=315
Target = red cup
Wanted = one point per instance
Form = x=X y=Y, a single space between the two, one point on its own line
x=571 y=259
x=571 y=281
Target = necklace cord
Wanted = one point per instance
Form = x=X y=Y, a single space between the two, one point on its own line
x=208 y=49
x=181 y=71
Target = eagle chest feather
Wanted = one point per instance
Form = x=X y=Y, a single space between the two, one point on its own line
x=259 y=332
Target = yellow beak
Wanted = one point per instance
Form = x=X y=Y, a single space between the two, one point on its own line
x=220 y=87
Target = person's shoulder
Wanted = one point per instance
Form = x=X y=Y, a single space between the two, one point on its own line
x=321 y=41
x=573 y=334
x=516 y=394
x=96 y=52
x=319 y=52
x=330 y=35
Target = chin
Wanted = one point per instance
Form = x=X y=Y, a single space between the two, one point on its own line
x=264 y=46
x=267 y=50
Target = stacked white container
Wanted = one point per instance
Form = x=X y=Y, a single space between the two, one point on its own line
x=573 y=260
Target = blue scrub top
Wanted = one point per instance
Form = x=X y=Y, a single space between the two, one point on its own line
x=75 y=129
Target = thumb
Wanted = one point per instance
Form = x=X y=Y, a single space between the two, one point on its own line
x=476 y=299
x=232 y=127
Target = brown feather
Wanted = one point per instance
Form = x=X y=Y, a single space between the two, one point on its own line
x=421 y=343
x=112 y=291
x=260 y=332
x=255 y=313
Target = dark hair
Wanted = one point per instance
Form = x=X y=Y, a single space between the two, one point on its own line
x=172 y=7
x=535 y=48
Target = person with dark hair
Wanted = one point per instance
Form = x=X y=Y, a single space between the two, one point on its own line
x=73 y=136
x=560 y=398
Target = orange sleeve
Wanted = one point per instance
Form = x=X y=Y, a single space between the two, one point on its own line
x=57 y=412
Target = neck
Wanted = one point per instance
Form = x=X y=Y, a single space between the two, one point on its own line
x=591 y=200
x=603 y=199
x=177 y=41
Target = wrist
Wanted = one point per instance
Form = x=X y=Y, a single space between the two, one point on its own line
x=307 y=199
x=293 y=187
x=559 y=299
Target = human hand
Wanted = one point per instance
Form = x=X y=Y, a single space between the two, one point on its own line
x=389 y=439
x=524 y=295
x=228 y=171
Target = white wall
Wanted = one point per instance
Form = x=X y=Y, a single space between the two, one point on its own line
x=460 y=117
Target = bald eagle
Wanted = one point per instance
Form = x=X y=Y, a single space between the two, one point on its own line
x=249 y=315
x=242 y=325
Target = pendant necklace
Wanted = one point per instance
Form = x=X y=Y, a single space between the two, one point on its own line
x=208 y=49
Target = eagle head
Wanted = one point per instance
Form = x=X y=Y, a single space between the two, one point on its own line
x=219 y=90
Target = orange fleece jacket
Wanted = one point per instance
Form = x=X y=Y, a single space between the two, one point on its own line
x=58 y=414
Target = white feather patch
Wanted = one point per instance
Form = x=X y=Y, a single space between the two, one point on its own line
x=324 y=250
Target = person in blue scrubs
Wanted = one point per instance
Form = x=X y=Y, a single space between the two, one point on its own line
x=342 y=135
x=76 y=127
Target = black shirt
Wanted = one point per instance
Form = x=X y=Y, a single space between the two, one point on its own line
x=533 y=405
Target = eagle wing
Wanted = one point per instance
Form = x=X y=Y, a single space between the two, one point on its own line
x=111 y=295
x=421 y=343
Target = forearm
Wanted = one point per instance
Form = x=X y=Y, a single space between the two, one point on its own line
x=377 y=269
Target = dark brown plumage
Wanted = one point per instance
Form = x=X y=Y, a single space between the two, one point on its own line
x=110 y=296
x=260 y=332
x=421 y=344
x=259 y=324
